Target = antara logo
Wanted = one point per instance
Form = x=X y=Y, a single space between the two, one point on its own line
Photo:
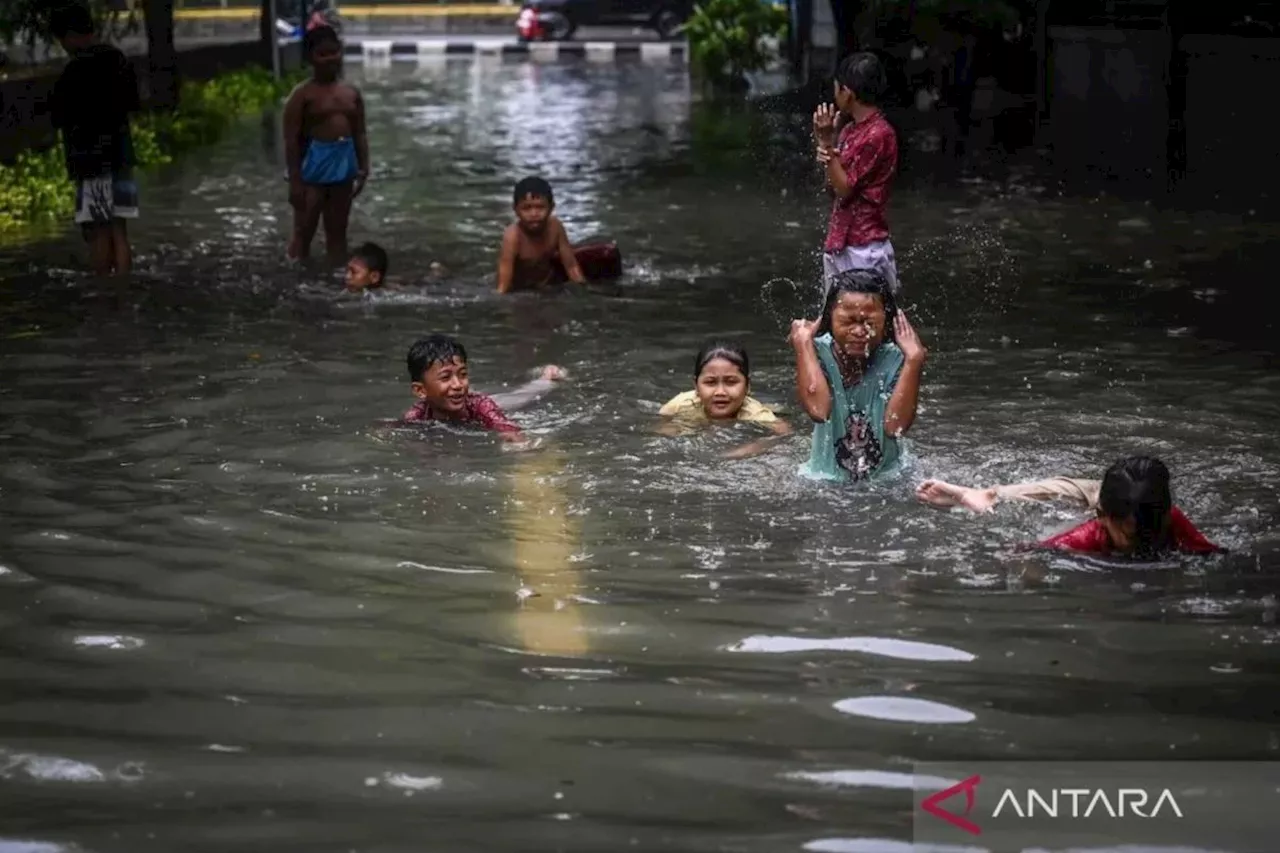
x=1054 y=803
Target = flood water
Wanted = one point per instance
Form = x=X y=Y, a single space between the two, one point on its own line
x=237 y=615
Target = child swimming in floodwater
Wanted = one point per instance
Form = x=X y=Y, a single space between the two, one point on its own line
x=440 y=380
x=1133 y=505
x=721 y=394
x=536 y=243
x=326 y=148
x=367 y=268
x=858 y=374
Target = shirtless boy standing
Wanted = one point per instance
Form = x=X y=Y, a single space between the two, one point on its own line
x=535 y=248
x=326 y=148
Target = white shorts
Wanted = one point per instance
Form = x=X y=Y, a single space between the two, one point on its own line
x=105 y=198
x=873 y=256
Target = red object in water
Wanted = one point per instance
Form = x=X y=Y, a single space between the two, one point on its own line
x=599 y=260
x=528 y=25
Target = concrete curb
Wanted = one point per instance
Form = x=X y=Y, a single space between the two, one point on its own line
x=384 y=49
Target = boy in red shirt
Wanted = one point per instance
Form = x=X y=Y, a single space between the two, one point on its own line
x=440 y=380
x=860 y=164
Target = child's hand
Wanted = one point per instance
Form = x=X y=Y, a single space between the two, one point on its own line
x=908 y=340
x=824 y=124
x=802 y=333
x=825 y=155
x=554 y=373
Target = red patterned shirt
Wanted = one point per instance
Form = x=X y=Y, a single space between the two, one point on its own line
x=1091 y=537
x=480 y=410
x=868 y=150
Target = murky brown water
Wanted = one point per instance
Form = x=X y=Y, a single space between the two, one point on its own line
x=235 y=615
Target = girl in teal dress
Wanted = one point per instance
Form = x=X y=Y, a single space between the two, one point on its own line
x=858 y=376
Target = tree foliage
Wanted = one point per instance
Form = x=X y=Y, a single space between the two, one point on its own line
x=728 y=38
x=27 y=21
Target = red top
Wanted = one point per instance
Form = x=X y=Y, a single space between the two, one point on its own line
x=1091 y=537
x=869 y=153
x=480 y=410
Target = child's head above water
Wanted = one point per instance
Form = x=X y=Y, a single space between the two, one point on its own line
x=438 y=373
x=860 y=79
x=1135 y=505
x=858 y=313
x=533 y=203
x=367 y=267
x=322 y=48
x=722 y=378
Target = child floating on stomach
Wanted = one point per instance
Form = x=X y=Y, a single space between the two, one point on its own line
x=858 y=376
x=536 y=252
x=367 y=270
x=440 y=380
x=1133 y=505
x=721 y=394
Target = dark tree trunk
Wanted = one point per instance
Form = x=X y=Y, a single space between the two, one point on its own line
x=162 y=55
x=844 y=14
x=1175 y=96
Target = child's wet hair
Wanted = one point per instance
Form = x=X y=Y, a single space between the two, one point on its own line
x=870 y=282
x=532 y=186
x=318 y=36
x=863 y=74
x=730 y=351
x=430 y=350
x=1138 y=488
x=71 y=16
x=373 y=256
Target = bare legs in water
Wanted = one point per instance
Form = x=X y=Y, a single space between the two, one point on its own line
x=333 y=205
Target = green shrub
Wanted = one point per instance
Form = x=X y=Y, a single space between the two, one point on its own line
x=727 y=38
x=35 y=187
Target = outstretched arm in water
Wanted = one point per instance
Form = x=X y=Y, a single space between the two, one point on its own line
x=781 y=430
x=532 y=391
x=1083 y=493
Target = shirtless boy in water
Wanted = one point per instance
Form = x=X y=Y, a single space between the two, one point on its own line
x=326 y=148
x=535 y=248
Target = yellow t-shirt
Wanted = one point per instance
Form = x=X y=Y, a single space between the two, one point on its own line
x=688 y=405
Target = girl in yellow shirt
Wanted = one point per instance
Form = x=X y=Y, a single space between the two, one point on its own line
x=721 y=386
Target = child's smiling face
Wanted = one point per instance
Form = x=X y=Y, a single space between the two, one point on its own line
x=445 y=386
x=722 y=389
x=857 y=324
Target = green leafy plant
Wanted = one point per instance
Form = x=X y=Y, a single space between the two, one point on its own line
x=728 y=39
x=35 y=187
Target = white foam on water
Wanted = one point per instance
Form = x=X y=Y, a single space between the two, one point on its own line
x=882 y=646
x=873 y=779
x=901 y=709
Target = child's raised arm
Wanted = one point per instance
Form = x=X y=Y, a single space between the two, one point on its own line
x=567 y=258
x=507 y=259
x=811 y=382
x=901 y=411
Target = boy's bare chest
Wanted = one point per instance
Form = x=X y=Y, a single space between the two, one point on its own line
x=324 y=104
x=536 y=249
